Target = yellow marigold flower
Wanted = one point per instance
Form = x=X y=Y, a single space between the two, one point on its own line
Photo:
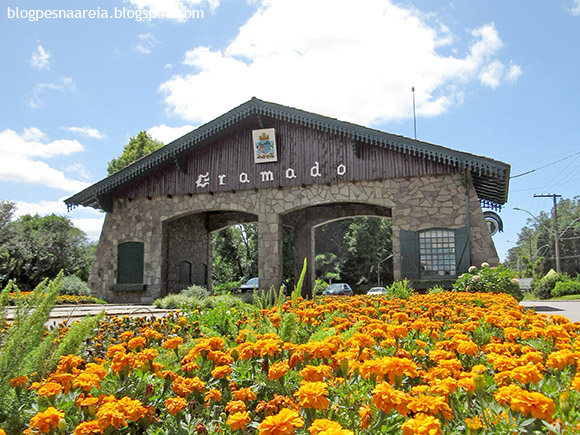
x=127 y=335
x=504 y=394
x=112 y=350
x=313 y=395
x=239 y=420
x=213 y=395
x=172 y=343
x=67 y=363
x=2 y=431
x=96 y=369
x=234 y=406
x=245 y=394
x=386 y=398
x=122 y=360
x=312 y=373
x=88 y=428
x=175 y=404
x=43 y=422
x=277 y=370
x=282 y=423
x=562 y=358
x=19 y=381
x=268 y=347
x=526 y=374
x=422 y=424
x=50 y=389
x=221 y=372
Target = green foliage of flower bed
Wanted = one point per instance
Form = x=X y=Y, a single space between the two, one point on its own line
x=567 y=287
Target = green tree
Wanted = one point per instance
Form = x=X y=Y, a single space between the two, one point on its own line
x=139 y=146
x=34 y=248
x=534 y=255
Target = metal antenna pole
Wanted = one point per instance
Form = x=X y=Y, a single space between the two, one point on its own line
x=414 y=115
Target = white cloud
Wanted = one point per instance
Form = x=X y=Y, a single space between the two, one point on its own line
x=40 y=58
x=86 y=131
x=20 y=154
x=146 y=43
x=79 y=169
x=575 y=9
x=91 y=225
x=168 y=134
x=354 y=62
x=178 y=10
x=514 y=72
x=66 y=84
x=492 y=74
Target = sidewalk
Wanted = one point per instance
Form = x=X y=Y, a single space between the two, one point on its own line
x=569 y=309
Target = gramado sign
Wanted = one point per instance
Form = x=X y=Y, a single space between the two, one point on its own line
x=265 y=151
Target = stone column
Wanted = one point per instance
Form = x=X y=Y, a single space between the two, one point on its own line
x=304 y=248
x=270 y=247
x=396 y=246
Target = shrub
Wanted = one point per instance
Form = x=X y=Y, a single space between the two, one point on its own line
x=73 y=285
x=487 y=279
x=227 y=287
x=567 y=287
x=400 y=289
x=543 y=288
x=196 y=291
x=319 y=286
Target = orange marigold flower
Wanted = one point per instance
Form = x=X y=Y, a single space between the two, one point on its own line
x=137 y=342
x=282 y=423
x=386 y=398
x=239 y=420
x=422 y=424
x=312 y=373
x=322 y=425
x=109 y=414
x=433 y=405
x=67 y=363
x=534 y=403
x=234 y=406
x=366 y=415
x=213 y=395
x=122 y=360
x=277 y=370
x=43 y=422
x=526 y=374
x=172 y=343
x=245 y=394
x=86 y=381
x=185 y=386
x=88 y=428
x=50 y=389
x=221 y=372
x=133 y=409
x=175 y=404
x=96 y=369
x=2 y=431
x=474 y=423
x=19 y=381
x=313 y=395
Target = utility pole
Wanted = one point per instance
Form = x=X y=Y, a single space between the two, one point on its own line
x=555 y=217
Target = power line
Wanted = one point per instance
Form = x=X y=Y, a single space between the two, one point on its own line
x=545 y=166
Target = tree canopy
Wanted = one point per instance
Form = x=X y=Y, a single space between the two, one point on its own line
x=139 y=146
x=534 y=253
x=33 y=248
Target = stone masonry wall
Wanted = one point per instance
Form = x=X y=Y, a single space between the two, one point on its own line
x=417 y=203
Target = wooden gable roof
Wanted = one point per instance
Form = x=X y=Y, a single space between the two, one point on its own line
x=490 y=177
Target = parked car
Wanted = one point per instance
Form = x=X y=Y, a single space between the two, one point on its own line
x=250 y=285
x=338 y=289
x=377 y=291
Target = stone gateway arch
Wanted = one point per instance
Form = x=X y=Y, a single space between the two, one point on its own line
x=279 y=166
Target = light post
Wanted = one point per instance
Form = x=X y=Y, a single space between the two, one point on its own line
x=556 y=238
x=379 y=269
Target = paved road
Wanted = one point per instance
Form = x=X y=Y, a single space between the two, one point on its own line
x=569 y=309
x=64 y=313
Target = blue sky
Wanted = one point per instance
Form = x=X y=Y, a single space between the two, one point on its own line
x=497 y=78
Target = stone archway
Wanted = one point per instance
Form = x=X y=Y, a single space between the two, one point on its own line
x=304 y=221
x=187 y=245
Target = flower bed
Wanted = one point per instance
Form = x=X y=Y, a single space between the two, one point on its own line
x=445 y=363
x=60 y=299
